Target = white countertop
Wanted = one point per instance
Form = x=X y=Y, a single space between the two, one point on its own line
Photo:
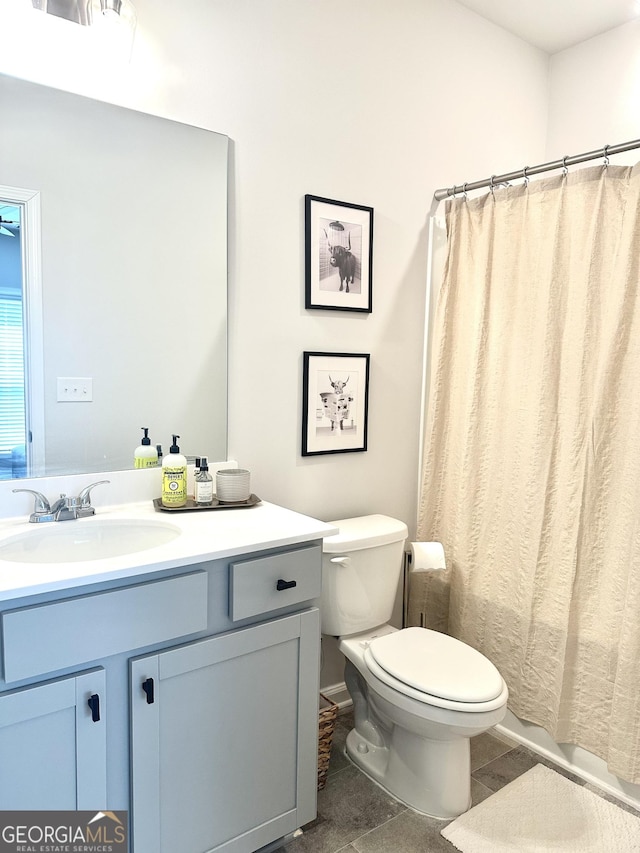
x=204 y=535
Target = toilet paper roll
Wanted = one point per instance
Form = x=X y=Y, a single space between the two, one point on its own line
x=427 y=557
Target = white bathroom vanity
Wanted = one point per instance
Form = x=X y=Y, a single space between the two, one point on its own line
x=179 y=682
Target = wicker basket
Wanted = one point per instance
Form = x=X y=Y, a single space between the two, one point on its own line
x=327 y=721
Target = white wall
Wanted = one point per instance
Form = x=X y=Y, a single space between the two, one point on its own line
x=369 y=102
x=365 y=101
x=371 y=105
x=595 y=95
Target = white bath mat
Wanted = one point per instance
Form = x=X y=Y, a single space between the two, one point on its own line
x=543 y=812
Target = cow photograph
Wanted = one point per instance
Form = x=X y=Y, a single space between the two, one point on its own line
x=335 y=391
x=339 y=266
x=336 y=408
x=339 y=253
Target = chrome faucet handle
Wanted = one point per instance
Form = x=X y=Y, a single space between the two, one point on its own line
x=41 y=507
x=85 y=495
x=65 y=502
x=41 y=504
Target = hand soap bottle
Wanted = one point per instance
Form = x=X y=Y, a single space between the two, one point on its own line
x=203 y=490
x=174 y=477
x=144 y=455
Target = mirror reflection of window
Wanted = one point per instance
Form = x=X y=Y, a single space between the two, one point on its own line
x=12 y=372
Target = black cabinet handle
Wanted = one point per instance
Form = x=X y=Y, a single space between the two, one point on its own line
x=94 y=703
x=285 y=584
x=147 y=686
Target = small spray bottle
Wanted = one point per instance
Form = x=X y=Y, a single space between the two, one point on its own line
x=203 y=491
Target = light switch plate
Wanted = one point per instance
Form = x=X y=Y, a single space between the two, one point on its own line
x=75 y=389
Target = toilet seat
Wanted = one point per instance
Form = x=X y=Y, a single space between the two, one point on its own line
x=436 y=669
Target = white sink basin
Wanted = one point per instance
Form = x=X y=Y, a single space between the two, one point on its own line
x=78 y=541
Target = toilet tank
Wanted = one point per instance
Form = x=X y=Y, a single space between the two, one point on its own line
x=361 y=567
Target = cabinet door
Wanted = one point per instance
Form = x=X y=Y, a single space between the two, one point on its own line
x=53 y=746
x=224 y=739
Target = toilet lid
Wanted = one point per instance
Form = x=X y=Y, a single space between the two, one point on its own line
x=437 y=664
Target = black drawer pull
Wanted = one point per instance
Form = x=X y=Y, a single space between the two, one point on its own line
x=147 y=686
x=285 y=584
x=94 y=703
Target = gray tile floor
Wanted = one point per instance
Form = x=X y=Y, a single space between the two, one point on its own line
x=356 y=816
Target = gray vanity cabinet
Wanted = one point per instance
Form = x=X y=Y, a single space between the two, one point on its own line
x=53 y=744
x=224 y=739
x=209 y=733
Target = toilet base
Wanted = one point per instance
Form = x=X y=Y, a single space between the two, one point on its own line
x=432 y=777
x=417 y=751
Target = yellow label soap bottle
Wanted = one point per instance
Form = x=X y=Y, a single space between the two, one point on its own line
x=145 y=456
x=174 y=477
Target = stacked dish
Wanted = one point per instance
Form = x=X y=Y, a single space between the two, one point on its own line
x=233 y=485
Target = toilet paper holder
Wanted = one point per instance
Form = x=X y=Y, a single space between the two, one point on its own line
x=420 y=557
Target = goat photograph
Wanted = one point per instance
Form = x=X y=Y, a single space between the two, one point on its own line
x=338 y=255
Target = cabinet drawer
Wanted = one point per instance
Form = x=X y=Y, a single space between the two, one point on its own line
x=269 y=583
x=50 y=637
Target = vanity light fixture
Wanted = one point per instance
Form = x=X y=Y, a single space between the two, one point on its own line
x=119 y=12
x=88 y=12
x=116 y=19
x=78 y=11
x=111 y=7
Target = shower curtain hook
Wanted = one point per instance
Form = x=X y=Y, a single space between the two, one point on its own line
x=565 y=168
x=464 y=190
x=605 y=155
x=525 y=176
x=491 y=184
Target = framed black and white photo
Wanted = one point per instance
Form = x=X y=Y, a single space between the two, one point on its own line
x=338 y=255
x=335 y=400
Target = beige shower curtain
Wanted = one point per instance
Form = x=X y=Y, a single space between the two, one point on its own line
x=532 y=452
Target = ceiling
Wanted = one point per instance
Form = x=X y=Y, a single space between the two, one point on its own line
x=554 y=25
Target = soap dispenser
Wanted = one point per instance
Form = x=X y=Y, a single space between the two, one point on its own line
x=144 y=455
x=174 y=477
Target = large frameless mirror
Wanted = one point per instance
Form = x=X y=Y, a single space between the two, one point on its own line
x=113 y=284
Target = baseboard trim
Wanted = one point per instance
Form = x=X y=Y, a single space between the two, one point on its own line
x=570 y=757
x=338 y=693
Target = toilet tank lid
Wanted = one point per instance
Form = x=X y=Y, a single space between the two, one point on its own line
x=365 y=531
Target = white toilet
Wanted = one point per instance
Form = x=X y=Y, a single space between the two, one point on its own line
x=418 y=695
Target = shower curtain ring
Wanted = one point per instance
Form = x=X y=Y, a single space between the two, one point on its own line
x=605 y=154
x=565 y=168
x=525 y=176
x=464 y=190
x=491 y=184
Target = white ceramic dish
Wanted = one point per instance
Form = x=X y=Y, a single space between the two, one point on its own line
x=233 y=485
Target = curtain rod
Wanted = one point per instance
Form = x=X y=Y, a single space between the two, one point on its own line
x=527 y=171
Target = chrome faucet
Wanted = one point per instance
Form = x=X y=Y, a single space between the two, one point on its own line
x=65 y=508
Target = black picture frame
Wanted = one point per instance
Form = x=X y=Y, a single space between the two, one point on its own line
x=335 y=402
x=338 y=255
